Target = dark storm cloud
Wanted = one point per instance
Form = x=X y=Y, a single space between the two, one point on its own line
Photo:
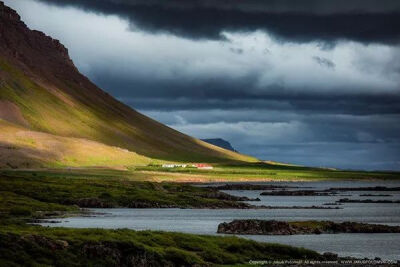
x=367 y=21
x=229 y=93
x=389 y=104
x=273 y=6
x=317 y=127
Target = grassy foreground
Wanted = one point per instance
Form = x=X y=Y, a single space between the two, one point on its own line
x=30 y=195
x=33 y=245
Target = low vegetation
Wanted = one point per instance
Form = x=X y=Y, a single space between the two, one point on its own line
x=33 y=245
x=30 y=195
x=57 y=191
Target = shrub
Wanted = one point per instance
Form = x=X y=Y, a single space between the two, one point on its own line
x=21 y=211
x=181 y=257
x=105 y=195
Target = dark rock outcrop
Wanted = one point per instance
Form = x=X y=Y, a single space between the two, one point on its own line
x=298 y=207
x=271 y=227
x=347 y=200
x=37 y=51
x=224 y=196
x=296 y=193
x=250 y=187
x=375 y=188
x=375 y=195
x=150 y=205
x=255 y=227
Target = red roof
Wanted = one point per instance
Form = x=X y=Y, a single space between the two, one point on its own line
x=199 y=165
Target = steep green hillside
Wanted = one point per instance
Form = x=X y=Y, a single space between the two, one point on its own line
x=41 y=90
x=22 y=148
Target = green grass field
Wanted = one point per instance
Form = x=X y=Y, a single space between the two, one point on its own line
x=263 y=172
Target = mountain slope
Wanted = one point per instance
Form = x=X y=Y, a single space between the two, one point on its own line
x=30 y=149
x=41 y=90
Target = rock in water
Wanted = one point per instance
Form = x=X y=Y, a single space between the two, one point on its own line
x=271 y=227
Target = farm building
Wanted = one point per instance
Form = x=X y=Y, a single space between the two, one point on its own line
x=174 y=165
x=203 y=166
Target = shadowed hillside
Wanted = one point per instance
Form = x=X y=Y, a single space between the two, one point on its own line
x=41 y=90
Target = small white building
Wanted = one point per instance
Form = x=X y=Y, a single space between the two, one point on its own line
x=174 y=165
x=168 y=165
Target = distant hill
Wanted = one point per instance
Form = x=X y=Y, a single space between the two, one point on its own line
x=41 y=91
x=220 y=143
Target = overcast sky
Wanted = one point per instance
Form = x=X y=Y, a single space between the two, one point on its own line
x=311 y=82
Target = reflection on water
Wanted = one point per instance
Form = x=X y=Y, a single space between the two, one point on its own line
x=205 y=221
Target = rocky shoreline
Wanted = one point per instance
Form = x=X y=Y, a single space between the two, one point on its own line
x=224 y=200
x=224 y=196
x=272 y=227
x=347 y=200
x=298 y=207
x=297 y=193
x=374 y=188
x=375 y=195
x=252 y=187
x=102 y=204
x=225 y=203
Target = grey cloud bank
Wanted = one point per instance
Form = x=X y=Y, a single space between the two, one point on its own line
x=307 y=83
x=299 y=21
